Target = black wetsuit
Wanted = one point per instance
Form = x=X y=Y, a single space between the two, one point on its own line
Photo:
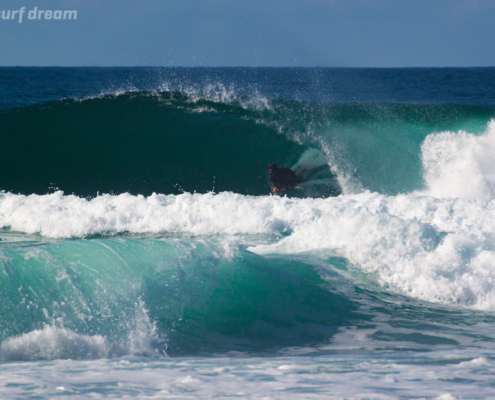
x=284 y=178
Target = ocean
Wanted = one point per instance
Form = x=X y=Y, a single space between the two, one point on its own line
x=144 y=256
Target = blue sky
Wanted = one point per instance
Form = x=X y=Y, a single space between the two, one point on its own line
x=334 y=33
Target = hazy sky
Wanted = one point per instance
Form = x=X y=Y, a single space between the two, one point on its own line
x=336 y=33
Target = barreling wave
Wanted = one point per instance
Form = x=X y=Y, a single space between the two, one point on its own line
x=174 y=142
x=138 y=143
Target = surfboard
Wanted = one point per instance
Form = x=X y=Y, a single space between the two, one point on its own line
x=309 y=163
x=318 y=179
x=309 y=166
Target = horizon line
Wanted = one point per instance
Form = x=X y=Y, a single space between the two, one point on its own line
x=220 y=66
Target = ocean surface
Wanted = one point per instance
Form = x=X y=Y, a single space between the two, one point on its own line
x=143 y=255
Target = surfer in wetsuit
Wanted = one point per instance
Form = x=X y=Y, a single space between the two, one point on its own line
x=283 y=178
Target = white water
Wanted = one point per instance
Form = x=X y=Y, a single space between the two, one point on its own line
x=460 y=164
x=56 y=342
x=53 y=343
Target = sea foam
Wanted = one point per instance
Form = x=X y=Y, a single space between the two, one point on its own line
x=52 y=342
x=429 y=248
x=55 y=342
x=460 y=164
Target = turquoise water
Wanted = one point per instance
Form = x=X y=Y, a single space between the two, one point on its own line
x=142 y=253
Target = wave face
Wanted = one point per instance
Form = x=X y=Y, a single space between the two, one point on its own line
x=101 y=298
x=171 y=142
x=140 y=144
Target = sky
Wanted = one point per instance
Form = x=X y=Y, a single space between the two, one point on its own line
x=327 y=33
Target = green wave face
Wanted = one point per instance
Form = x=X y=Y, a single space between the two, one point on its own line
x=378 y=146
x=195 y=300
x=139 y=144
x=172 y=142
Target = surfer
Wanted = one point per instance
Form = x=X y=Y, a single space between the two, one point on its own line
x=283 y=178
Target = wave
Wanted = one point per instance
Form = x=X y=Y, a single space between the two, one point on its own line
x=140 y=144
x=172 y=142
x=104 y=298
